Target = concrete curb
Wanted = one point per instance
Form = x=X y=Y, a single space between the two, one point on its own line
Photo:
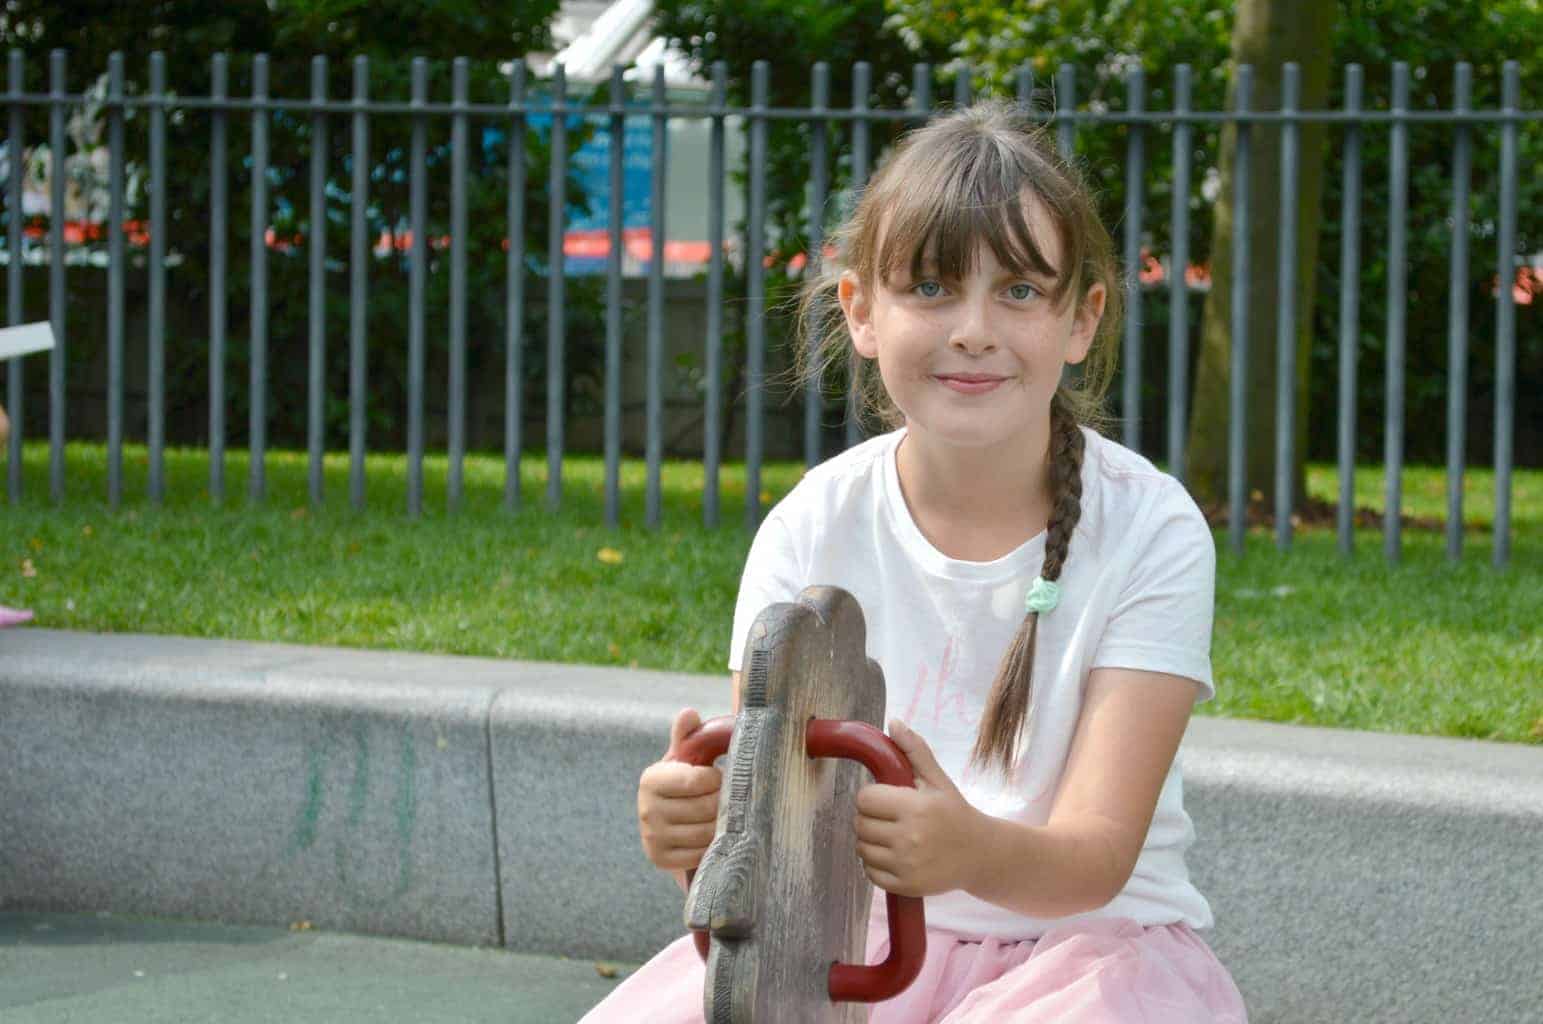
x=1354 y=875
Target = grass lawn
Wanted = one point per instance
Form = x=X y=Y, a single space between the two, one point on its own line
x=1424 y=646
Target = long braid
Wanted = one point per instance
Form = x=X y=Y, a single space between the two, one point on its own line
x=1008 y=705
x=1066 y=487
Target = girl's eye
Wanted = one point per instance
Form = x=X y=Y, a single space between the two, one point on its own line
x=1023 y=292
x=928 y=289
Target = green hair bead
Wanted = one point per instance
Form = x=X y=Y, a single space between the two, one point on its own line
x=1043 y=596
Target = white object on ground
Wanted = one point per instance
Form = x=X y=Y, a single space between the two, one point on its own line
x=25 y=339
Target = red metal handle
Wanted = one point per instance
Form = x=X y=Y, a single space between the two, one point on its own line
x=907 y=925
x=860 y=742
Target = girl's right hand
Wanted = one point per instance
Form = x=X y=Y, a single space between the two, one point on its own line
x=678 y=803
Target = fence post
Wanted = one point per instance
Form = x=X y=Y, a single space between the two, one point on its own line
x=417 y=272
x=514 y=291
x=457 y=397
x=755 y=313
x=711 y=442
x=1505 y=314
x=115 y=268
x=1398 y=211
x=555 y=287
x=1237 y=456
x=316 y=251
x=655 y=364
x=1135 y=169
x=157 y=354
x=1286 y=308
x=1349 y=309
x=15 y=393
x=1178 y=284
x=814 y=401
x=613 y=300
x=56 y=255
x=921 y=89
x=258 y=413
x=964 y=86
x=358 y=284
x=1457 y=313
x=861 y=78
x=1065 y=108
x=219 y=72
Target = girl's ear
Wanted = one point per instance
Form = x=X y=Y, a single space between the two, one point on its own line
x=857 y=305
x=1085 y=322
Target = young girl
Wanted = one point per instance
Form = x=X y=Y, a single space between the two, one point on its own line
x=1039 y=598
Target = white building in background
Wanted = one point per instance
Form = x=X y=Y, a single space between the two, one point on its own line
x=592 y=36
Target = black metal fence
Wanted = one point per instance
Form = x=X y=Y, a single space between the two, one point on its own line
x=354 y=114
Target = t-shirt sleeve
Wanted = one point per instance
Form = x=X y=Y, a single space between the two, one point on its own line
x=1162 y=620
x=772 y=574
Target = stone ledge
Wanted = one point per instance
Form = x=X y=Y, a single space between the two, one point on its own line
x=1354 y=875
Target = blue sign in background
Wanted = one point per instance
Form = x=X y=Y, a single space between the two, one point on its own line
x=592 y=160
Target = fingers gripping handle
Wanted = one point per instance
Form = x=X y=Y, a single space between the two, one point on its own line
x=860 y=742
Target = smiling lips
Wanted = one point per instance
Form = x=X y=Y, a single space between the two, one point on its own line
x=970 y=383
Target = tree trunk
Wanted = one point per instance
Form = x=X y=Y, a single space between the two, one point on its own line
x=1266 y=34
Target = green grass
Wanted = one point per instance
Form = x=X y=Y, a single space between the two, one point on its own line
x=1424 y=646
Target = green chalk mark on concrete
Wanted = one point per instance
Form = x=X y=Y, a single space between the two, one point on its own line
x=359 y=792
x=406 y=813
x=310 y=812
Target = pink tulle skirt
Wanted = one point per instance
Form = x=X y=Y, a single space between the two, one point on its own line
x=13 y=616
x=1111 y=970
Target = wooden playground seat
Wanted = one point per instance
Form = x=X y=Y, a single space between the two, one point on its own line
x=780 y=902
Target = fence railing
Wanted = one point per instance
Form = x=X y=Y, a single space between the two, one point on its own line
x=354 y=114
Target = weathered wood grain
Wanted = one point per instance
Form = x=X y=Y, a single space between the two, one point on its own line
x=781 y=889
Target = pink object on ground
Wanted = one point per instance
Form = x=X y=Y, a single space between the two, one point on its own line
x=13 y=616
x=1085 y=972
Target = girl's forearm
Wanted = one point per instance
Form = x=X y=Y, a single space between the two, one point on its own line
x=1043 y=871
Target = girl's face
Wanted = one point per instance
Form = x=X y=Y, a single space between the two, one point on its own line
x=973 y=362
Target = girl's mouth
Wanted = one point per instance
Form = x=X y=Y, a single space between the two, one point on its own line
x=971 y=383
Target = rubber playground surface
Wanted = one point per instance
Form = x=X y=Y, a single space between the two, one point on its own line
x=66 y=968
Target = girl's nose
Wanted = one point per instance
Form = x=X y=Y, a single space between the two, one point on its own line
x=971 y=333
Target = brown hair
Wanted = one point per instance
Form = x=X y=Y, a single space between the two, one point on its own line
x=946 y=188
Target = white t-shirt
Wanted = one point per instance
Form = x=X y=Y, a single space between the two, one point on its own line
x=1137 y=591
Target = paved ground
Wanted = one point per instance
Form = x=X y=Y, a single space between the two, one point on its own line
x=92 y=968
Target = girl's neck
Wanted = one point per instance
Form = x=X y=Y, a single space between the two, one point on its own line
x=975 y=504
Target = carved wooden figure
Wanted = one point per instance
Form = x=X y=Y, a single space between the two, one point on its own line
x=781 y=890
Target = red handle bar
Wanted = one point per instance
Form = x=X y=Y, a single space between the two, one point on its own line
x=860 y=742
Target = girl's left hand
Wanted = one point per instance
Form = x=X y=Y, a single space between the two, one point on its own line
x=922 y=841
